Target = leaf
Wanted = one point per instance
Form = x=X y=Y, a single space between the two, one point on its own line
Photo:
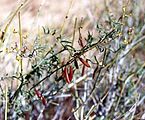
x=54 y=32
x=90 y=38
x=46 y=30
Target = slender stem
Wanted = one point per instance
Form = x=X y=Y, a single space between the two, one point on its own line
x=6 y=102
x=62 y=27
x=74 y=31
x=7 y=25
x=21 y=42
x=21 y=61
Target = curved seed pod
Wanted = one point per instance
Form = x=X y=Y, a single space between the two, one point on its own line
x=70 y=73
x=80 y=41
x=66 y=75
x=39 y=95
x=84 y=62
x=43 y=100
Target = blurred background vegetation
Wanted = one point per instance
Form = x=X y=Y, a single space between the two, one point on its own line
x=100 y=43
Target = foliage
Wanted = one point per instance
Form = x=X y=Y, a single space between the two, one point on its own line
x=79 y=76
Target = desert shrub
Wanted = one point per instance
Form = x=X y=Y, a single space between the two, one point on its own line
x=96 y=74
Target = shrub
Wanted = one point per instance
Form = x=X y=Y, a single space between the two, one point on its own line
x=79 y=76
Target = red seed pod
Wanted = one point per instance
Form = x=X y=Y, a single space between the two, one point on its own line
x=66 y=75
x=39 y=95
x=80 y=41
x=84 y=62
x=27 y=115
x=43 y=100
x=70 y=73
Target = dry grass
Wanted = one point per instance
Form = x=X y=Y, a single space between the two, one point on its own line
x=112 y=88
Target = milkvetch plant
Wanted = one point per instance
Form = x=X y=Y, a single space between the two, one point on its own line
x=84 y=73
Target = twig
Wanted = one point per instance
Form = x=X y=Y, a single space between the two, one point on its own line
x=6 y=102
